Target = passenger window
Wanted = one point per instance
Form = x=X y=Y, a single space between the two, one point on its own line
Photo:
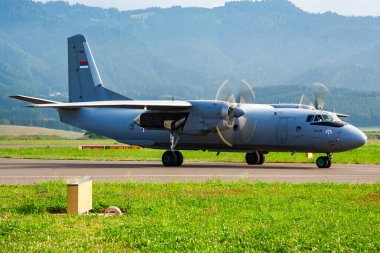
x=318 y=118
x=309 y=118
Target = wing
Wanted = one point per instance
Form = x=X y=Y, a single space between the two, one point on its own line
x=340 y=115
x=160 y=105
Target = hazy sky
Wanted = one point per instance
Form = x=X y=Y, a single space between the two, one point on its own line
x=343 y=7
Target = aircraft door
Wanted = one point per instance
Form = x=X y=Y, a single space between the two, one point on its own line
x=282 y=130
x=297 y=131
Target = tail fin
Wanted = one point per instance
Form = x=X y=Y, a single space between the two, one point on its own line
x=85 y=83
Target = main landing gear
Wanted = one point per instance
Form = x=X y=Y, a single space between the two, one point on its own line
x=324 y=161
x=172 y=157
x=255 y=158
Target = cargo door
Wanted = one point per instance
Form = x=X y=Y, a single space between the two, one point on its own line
x=282 y=130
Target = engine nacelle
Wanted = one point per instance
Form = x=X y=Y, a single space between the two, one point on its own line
x=205 y=116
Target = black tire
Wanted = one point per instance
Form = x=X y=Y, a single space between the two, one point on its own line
x=179 y=158
x=261 y=158
x=329 y=162
x=322 y=162
x=252 y=158
x=169 y=158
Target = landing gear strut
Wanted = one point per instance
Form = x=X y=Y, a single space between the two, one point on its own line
x=172 y=157
x=255 y=158
x=324 y=161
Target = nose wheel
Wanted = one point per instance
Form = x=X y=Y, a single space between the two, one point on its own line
x=324 y=161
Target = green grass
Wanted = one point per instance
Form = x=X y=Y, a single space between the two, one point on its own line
x=195 y=217
x=369 y=154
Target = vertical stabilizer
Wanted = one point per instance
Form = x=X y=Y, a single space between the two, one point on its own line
x=85 y=83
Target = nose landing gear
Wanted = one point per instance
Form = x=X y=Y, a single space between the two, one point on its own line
x=324 y=161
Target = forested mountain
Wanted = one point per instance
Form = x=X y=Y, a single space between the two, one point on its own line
x=188 y=52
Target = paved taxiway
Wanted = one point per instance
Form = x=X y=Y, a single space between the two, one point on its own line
x=21 y=171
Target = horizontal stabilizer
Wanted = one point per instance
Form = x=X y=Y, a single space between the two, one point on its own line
x=33 y=100
x=160 y=105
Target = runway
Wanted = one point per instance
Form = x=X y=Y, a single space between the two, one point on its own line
x=25 y=171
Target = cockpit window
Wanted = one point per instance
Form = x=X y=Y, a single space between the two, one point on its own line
x=309 y=118
x=327 y=117
x=318 y=118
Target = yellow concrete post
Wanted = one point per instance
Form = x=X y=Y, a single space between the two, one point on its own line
x=79 y=196
x=309 y=155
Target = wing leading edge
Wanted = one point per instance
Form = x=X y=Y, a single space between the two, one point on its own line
x=128 y=104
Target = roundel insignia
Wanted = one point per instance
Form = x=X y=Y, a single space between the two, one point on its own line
x=328 y=132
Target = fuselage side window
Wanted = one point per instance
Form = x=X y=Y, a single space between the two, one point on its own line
x=309 y=118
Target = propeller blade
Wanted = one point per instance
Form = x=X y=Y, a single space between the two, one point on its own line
x=223 y=94
x=320 y=91
x=246 y=93
x=305 y=100
x=223 y=138
x=231 y=99
x=247 y=129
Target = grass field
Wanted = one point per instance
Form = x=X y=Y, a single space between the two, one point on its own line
x=369 y=154
x=206 y=217
x=192 y=217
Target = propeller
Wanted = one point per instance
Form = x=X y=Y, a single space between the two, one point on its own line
x=305 y=101
x=236 y=125
x=320 y=91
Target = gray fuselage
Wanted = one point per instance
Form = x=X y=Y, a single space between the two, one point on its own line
x=263 y=128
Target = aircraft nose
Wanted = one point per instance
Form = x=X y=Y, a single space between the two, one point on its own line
x=352 y=137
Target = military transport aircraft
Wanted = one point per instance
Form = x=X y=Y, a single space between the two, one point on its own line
x=220 y=125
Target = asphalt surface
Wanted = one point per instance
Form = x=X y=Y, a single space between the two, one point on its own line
x=25 y=171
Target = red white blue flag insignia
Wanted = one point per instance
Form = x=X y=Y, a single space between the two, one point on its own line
x=83 y=64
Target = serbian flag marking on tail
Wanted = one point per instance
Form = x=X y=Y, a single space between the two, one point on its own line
x=83 y=64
